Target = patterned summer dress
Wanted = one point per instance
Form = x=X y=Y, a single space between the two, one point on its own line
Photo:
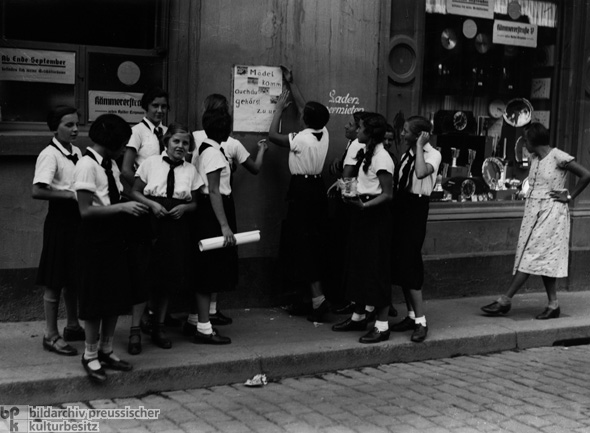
x=543 y=241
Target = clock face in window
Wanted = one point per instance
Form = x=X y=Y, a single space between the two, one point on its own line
x=496 y=108
x=482 y=43
x=460 y=121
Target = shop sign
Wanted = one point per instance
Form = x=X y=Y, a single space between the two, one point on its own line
x=471 y=8
x=126 y=105
x=256 y=93
x=343 y=103
x=20 y=64
x=514 y=33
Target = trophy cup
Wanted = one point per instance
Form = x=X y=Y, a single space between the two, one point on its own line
x=470 y=159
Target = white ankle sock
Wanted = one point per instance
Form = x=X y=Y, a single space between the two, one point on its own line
x=205 y=328
x=412 y=315
x=369 y=308
x=193 y=319
x=317 y=301
x=421 y=320
x=213 y=307
x=382 y=326
x=357 y=317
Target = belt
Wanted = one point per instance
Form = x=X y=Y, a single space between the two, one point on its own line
x=306 y=176
x=366 y=197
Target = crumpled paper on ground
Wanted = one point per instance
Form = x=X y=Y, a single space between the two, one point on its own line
x=258 y=380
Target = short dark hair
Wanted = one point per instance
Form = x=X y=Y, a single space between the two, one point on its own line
x=217 y=124
x=315 y=115
x=55 y=115
x=536 y=134
x=151 y=94
x=418 y=124
x=110 y=131
x=215 y=101
x=178 y=128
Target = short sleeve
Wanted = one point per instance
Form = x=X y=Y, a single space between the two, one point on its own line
x=212 y=160
x=562 y=158
x=135 y=140
x=236 y=151
x=196 y=179
x=85 y=175
x=434 y=158
x=352 y=152
x=45 y=168
x=143 y=170
x=383 y=162
x=294 y=142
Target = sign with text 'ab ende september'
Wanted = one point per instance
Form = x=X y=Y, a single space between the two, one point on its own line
x=22 y=64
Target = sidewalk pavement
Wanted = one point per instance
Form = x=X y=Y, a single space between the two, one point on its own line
x=270 y=341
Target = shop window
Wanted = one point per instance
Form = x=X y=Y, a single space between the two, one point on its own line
x=77 y=53
x=487 y=64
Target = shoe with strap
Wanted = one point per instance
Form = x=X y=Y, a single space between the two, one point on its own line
x=94 y=370
x=408 y=324
x=59 y=346
x=110 y=360
x=219 y=319
x=74 y=333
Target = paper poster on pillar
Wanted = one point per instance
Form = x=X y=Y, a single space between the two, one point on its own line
x=255 y=95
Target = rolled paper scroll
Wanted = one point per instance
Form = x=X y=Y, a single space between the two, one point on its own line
x=217 y=242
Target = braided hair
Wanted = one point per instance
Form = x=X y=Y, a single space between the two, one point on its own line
x=375 y=127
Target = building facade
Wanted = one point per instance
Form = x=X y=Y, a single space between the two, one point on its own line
x=460 y=66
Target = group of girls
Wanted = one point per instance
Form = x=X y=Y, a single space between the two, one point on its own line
x=116 y=239
x=376 y=232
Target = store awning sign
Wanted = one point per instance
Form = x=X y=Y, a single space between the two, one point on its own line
x=513 y=33
x=471 y=8
x=126 y=105
x=20 y=64
x=256 y=92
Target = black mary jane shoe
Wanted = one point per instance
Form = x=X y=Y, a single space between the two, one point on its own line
x=549 y=313
x=318 y=314
x=213 y=338
x=350 y=325
x=375 y=336
x=51 y=345
x=407 y=324
x=74 y=334
x=134 y=344
x=219 y=319
x=95 y=375
x=107 y=360
x=419 y=334
x=159 y=337
x=495 y=309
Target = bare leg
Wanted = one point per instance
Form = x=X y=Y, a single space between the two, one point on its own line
x=316 y=289
x=550 y=288
x=203 y=302
x=137 y=312
x=517 y=282
x=91 y=328
x=51 y=306
x=416 y=302
x=71 y=304
x=383 y=313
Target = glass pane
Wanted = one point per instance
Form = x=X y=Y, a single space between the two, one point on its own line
x=113 y=23
x=30 y=102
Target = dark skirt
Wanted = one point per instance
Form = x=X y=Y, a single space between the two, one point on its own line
x=174 y=251
x=368 y=274
x=303 y=244
x=57 y=266
x=337 y=235
x=410 y=216
x=215 y=270
x=113 y=264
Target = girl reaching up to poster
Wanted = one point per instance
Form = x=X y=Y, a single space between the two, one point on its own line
x=303 y=237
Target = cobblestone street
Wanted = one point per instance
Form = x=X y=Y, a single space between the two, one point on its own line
x=536 y=390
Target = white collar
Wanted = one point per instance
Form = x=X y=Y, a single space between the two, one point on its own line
x=99 y=157
x=61 y=147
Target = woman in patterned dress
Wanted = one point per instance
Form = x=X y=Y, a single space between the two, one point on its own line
x=543 y=241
